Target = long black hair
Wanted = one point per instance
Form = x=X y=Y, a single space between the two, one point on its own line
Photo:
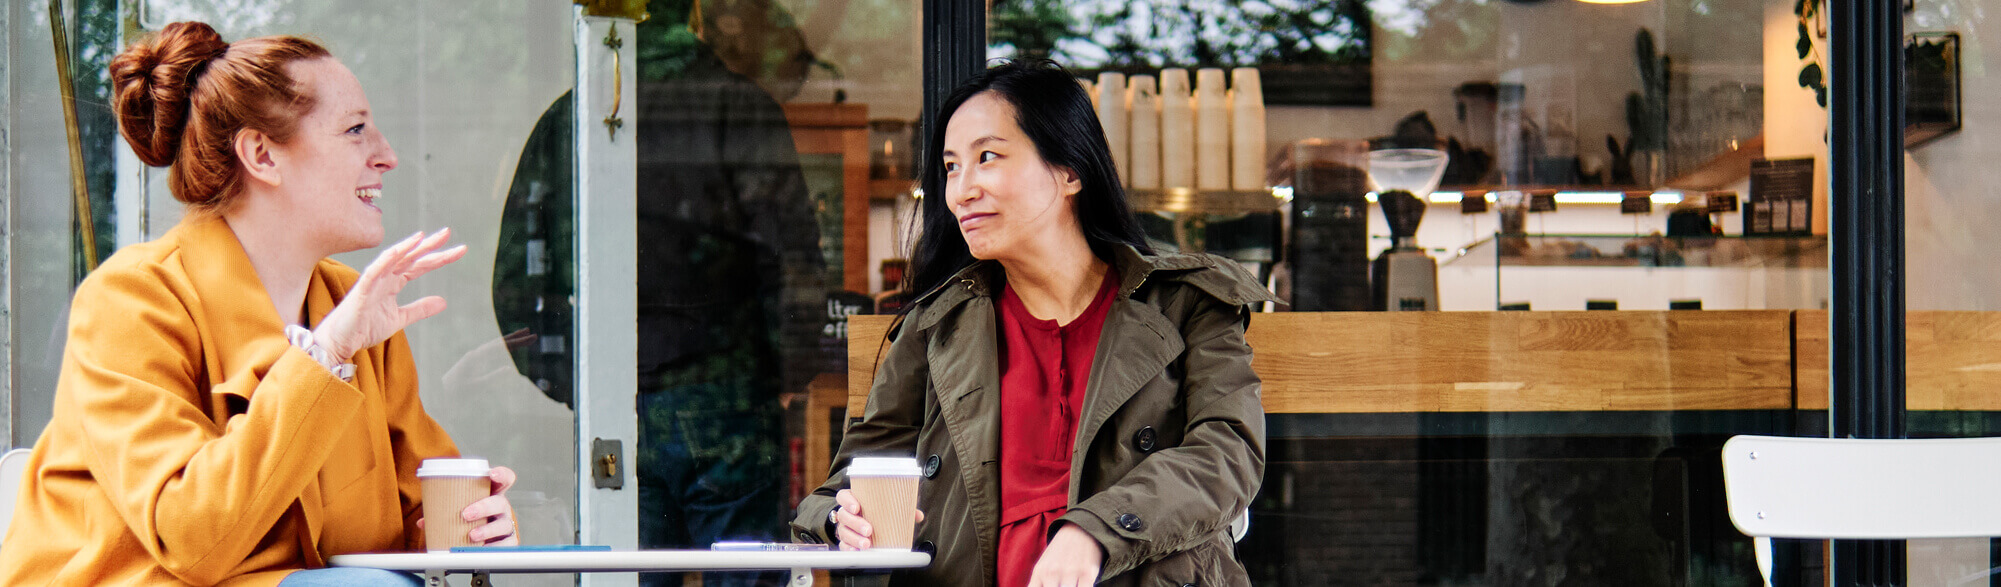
x=1058 y=118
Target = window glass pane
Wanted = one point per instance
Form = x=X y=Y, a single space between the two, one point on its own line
x=41 y=259
x=1949 y=288
x=52 y=249
x=1645 y=180
x=773 y=143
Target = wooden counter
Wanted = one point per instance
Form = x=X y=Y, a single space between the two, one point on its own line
x=1952 y=360
x=1374 y=362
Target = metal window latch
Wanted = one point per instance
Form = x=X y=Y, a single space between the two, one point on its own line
x=605 y=455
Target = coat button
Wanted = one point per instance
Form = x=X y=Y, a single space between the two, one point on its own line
x=1144 y=439
x=808 y=538
x=927 y=547
x=1131 y=523
x=931 y=467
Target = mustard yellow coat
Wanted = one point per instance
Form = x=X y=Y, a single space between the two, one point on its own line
x=191 y=443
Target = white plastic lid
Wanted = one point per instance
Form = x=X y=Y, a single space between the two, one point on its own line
x=454 y=468
x=884 y=467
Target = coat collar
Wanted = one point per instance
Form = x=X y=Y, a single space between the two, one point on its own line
x=241 y=328
x=1225 y=279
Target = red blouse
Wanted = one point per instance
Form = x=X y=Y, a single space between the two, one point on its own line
x=1044 y=370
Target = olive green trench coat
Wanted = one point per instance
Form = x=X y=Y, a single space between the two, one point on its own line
x=1169 y=450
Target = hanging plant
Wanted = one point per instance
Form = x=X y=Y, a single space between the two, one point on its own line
x=1812 y=25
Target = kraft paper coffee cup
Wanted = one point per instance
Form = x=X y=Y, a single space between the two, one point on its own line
x=449 y=485
x=887 y=490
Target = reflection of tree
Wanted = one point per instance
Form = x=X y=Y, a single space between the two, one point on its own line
x=758 y=39
x=1032 y=27
x=1443 y=30
x=93 y=41
x=664 y=43
x=1114 y=33
x=225 y=15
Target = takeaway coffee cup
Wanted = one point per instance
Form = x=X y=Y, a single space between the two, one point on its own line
x=449 y=486
x=887 y=490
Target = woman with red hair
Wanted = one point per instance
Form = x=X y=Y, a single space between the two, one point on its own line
x=234 y=407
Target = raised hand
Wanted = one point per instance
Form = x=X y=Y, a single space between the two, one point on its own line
x=370 y=313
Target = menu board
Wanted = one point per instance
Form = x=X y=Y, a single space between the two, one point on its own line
x=1542 y=201
x=1637 y=202
x=1781 y=200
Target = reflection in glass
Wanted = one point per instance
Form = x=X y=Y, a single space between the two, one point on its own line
x=1310 y=52
x=1534 y=102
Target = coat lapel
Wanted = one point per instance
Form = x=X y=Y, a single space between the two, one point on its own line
x=969 y=384
x=965 y=369
x=242 y=332
x=1136 y=347
x=243 y=335
x=965 y=376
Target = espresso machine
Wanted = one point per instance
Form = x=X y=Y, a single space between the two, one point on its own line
x=1404 y=278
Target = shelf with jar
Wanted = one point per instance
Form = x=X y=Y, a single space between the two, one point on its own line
x=1727 y=168
x=1636 y=272
x=1606 y=250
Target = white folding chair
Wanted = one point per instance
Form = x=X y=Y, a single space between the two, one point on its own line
x=1840 y=488
x=13 y=465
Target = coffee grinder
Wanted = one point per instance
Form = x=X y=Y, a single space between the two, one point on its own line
x=1404 y=278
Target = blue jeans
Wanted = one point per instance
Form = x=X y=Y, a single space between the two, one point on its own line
x=350 y=577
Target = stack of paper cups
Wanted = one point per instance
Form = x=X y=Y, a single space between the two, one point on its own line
x=1112 y=115
x=1247 y=130
x=1212 y=131
x=1145 y=145
x=1177 y=130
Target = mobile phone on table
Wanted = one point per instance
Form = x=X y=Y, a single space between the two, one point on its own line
x=764 y=546
x=534 y=548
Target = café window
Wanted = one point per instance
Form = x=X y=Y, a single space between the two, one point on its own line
x=1541 y=258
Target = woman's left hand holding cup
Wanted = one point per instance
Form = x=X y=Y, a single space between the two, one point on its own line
x=502 y=527
x=491 y=518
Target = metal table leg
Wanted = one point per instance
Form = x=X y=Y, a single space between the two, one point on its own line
x=434 y=578
x=801 y=577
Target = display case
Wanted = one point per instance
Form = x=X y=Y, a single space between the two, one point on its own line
x=1240 y=225
x=1627 y=272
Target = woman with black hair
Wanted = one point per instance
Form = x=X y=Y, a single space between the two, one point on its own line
x=1083 y=408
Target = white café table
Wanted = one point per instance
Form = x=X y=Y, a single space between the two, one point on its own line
x=800 y=563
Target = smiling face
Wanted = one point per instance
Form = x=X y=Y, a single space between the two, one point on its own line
x=1006 y=197
x=332 y=167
